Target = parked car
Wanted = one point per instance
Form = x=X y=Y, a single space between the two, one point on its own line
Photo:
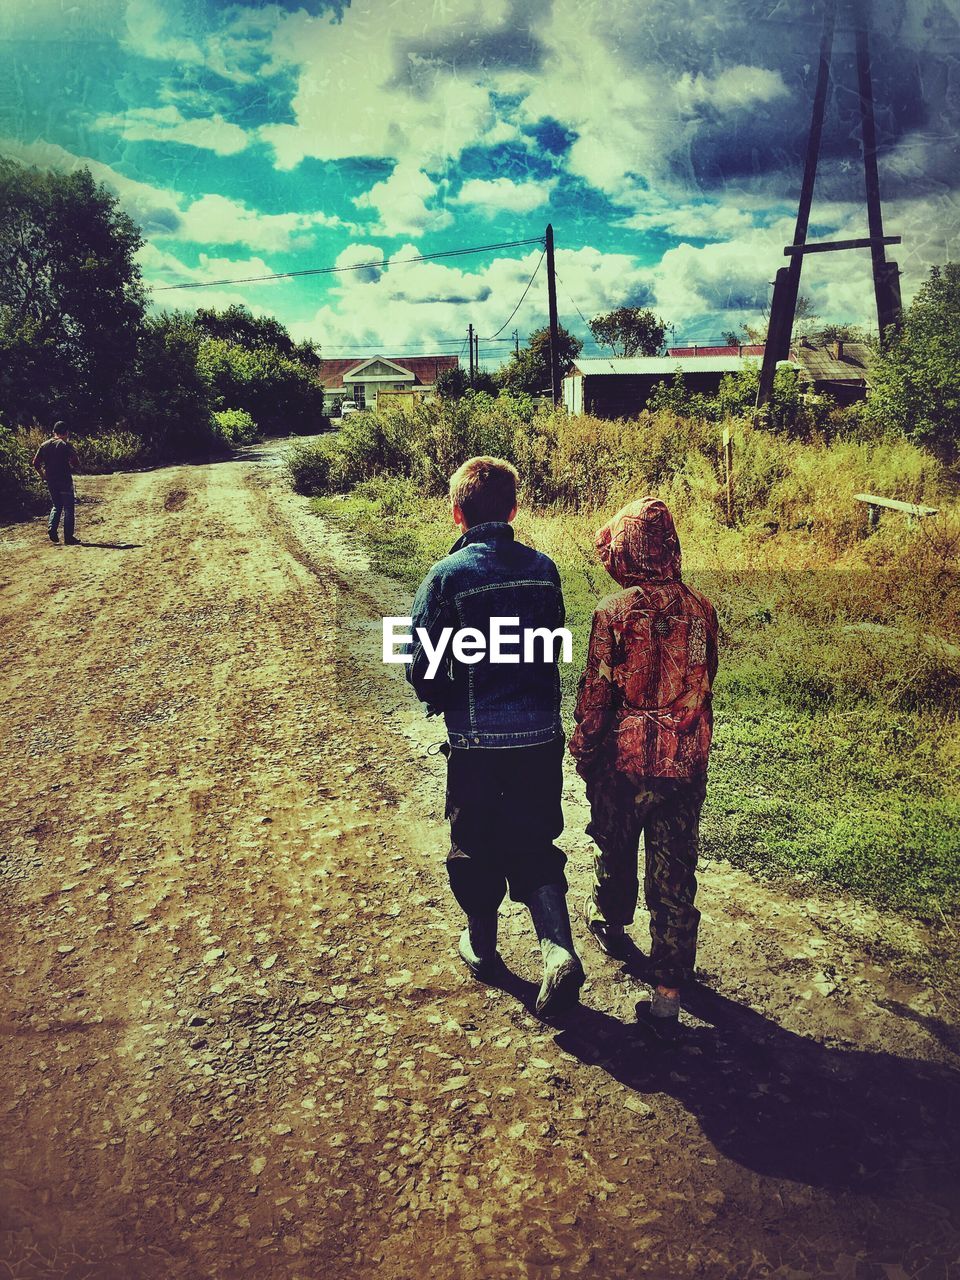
x=347 y=407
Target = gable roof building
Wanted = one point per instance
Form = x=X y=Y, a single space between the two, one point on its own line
x=838 y=369
x=362 y=378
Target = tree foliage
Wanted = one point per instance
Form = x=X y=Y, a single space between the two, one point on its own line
x=529 y=371
x=916 y=383
x=166 y=400
x=238 y=325
x=629 y=331
x=71 y=298
x=280 y=394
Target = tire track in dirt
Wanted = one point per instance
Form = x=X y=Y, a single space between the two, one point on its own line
x=235 y=1037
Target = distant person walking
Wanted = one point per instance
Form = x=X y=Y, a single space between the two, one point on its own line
x=642 y=742
x=56 y=460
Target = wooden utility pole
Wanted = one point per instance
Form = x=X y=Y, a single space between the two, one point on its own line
x=728 y=470
x=886 y=276
x=470 y=342
x=786 y=288
x=516 y=343
x=476 y=348
x=554 y=322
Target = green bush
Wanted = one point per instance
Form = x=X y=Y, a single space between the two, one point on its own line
x=308 y=466
x=280 y=394
x=234 y=426
x=21 y=489
x=111 y=451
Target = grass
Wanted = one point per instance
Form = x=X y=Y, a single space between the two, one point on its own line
x=836 y=759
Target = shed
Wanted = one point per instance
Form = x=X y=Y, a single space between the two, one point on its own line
x=621 y=387
x=838 y=369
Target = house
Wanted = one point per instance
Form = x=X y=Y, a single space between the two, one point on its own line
x=362 y=379
x=837 y=369
x=620 y=388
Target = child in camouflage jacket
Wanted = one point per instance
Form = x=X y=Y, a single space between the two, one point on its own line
x=642 y=744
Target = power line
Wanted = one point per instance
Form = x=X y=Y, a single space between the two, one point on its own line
x=520 y=303
x=567 y=292
x=377 y=264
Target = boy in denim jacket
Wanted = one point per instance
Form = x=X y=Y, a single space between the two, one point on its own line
x=505 y=742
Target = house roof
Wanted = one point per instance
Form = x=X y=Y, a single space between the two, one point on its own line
x=662 y=366
x=423 y=368
x=754 y=349
x=820 y=364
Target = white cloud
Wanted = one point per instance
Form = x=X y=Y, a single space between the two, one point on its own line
x=214 y=219
x=496 y=194
x=403 y=202
x=161 y=268
x=425 y=304
x=168 y=215
x=364 y=91
x=701 y=221
x=167 y=124
x=148 y=34
x=737 y=87
x=239 y=51
x=360 y=257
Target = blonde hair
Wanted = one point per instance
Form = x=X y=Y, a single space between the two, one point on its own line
x=484 y=489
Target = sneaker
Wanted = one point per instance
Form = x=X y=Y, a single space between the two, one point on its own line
x=71 y=542
x=610 y=938
x=52 y=535
x=665 y=1030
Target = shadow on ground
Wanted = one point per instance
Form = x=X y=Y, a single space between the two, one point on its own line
x=781 y=1104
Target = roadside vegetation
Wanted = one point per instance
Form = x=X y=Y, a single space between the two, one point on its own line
x=837 y=756
x=77 y=345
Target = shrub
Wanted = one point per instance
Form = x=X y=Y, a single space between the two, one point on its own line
x=308 y=466
x=111 y=451
x=234 y=426
x=21 y=489
x=281 y=395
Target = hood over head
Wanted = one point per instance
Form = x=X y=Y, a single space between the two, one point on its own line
x=640 y=544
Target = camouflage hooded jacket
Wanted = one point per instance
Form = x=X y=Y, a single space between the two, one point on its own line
x=644 y=702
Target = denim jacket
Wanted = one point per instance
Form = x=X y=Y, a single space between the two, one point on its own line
x=488 y=574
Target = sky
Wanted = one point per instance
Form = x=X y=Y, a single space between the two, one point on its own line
x=663 y=139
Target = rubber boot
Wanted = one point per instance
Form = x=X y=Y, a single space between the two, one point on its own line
x=478 y=945
x=563 y=974
x=610 y=938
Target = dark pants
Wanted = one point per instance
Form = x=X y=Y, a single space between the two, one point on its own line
x=61 y=495
x=666 y=813
x=505 y=813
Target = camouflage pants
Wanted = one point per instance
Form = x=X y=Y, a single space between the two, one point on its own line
x=666 y=813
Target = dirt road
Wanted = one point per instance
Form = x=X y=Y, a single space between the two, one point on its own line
x=236 y=1039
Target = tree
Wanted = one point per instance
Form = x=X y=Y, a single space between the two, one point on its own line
x=166 y=401
x=451 y=383
x=254 y=333
x=280 y=394
x=629 y=331
x=916 y=383
x=804 y=317
x=71 y=297
x=529 y=371
x=841 y=333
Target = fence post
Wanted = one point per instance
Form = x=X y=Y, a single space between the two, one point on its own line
x=728 y=470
